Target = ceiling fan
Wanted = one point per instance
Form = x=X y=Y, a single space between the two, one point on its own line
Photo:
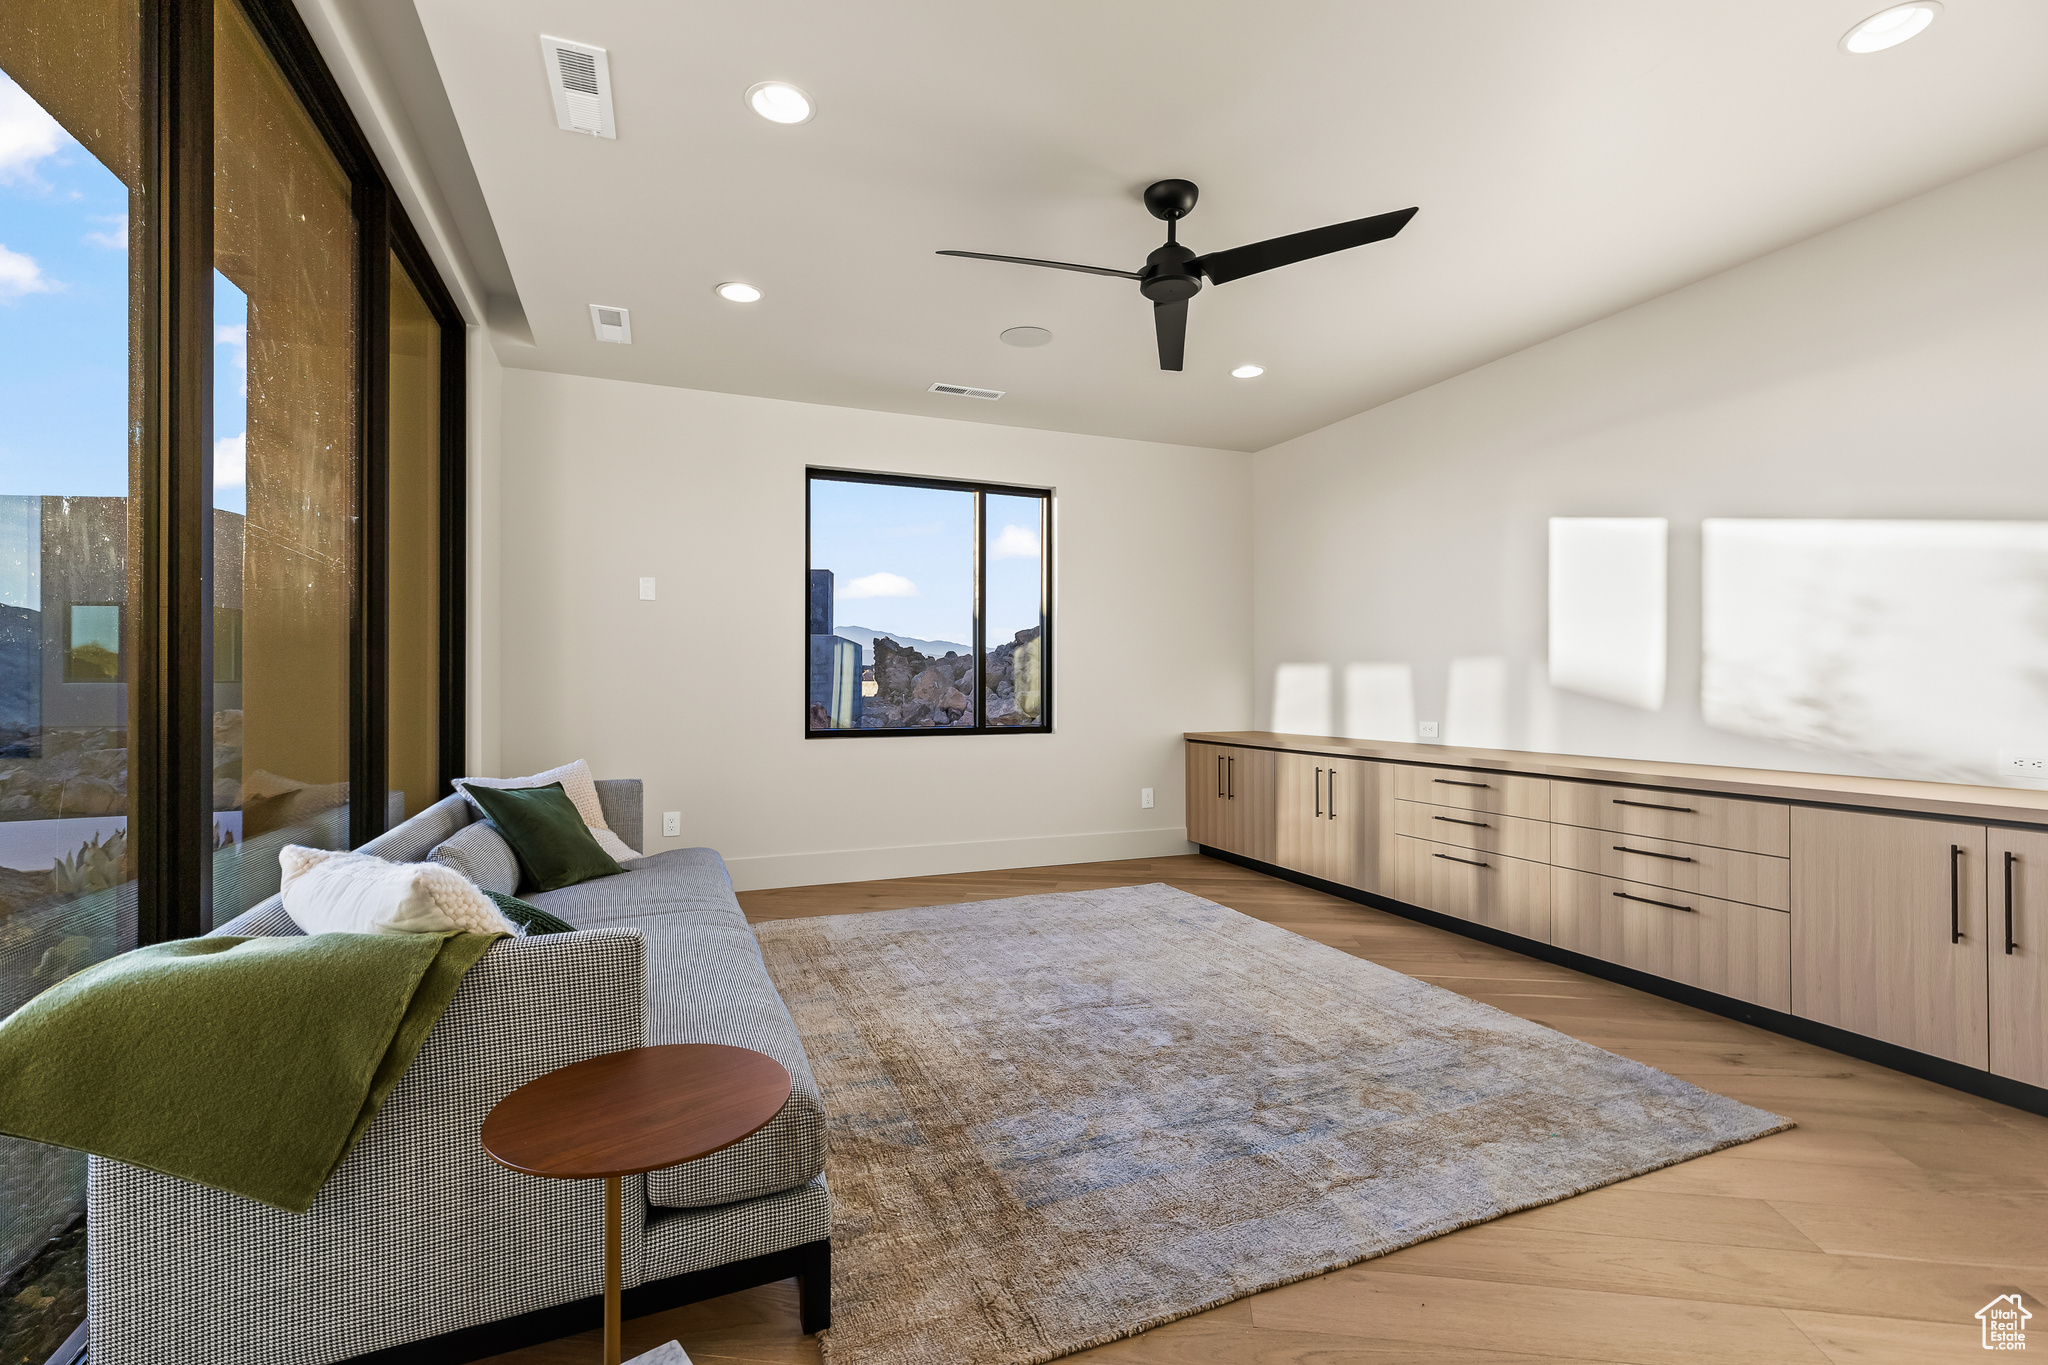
x=1173 y=274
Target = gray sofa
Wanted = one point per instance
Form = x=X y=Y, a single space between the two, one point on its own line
x=420 y=1247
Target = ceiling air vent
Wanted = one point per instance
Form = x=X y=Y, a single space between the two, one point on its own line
x=962 y=391
x=612 y=324
x=580 y=78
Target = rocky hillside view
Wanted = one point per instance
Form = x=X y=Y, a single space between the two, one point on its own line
x=916 y=691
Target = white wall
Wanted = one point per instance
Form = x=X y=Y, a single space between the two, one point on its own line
x=701 y=692
x=1896 y=367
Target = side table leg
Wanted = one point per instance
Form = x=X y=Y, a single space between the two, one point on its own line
x=613 y=1217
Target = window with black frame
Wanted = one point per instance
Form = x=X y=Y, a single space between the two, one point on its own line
x=928 y=606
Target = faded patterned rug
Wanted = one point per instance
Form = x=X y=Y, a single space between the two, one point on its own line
x=1060 y=1120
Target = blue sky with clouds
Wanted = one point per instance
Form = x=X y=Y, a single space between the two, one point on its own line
x=903 y=559
x=64 y=321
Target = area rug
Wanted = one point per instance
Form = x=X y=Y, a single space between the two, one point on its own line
x=1060 y=1120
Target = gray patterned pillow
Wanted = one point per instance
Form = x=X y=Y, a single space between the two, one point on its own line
x=481 y=854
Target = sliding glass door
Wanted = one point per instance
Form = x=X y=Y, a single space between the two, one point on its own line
x=230 y=511
x=284 y=471
x=71 y=382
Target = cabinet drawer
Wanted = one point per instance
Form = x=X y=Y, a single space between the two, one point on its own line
x=1506 y=834
x=1506 y=893
x=1736 y=950
x=1689 y=817
x=1474 y=789
x=1703 y=869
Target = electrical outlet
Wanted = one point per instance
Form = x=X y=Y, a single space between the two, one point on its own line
x=1144 y=798
x=646 y=590
x=671 y=824
x=1427 y=729
x=2023 y=763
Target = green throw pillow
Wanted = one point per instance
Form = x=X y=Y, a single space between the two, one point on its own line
x=531 y=918
x=548 y=836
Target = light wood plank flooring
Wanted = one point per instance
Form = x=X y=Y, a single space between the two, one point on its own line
x=1870 y=1234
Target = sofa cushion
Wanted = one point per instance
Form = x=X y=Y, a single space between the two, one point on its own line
x=706 y=984
x=547 y=835
x=481 y=854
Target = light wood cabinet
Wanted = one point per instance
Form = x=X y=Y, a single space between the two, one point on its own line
x=1888 y=929
x=1486 y=888
x=1205 y=768
x=1689 y=817
x=1328 y=818
x=1231 y=799
x=1737 y=950
x=1925 y=927
x=1702 y=869
x=1500 y=793
x=1508 y=835
x=2018 y=950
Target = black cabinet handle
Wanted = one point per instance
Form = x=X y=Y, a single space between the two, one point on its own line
x=1651 y=853
x=1219 y=777
x=1319 y=793
x=2010 y=859
x=1333 y=793
x=1651 y=805
x=1454 y=782
x=1645 y=900
x=1466 y=861
x=1231 y=787
x=1955 y=893
x=1452 y=820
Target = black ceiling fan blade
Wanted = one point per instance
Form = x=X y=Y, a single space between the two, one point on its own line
x=1239 y=261
x=1056 y=265
x=1170 y=320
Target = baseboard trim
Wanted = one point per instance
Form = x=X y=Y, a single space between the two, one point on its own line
x=1983 y=1084
x=810 y=1265
x=930 y=860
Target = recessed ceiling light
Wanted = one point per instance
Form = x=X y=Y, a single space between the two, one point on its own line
x=1025 y=336
x=1248 y=372
x=779 y=102
x=732 y=291
x=1889 y=28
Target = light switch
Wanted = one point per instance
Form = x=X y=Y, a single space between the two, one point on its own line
x=646 y=590
x=1144 y=798
x=671 y=824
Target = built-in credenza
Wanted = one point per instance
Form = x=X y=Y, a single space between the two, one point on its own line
x=1902 y=921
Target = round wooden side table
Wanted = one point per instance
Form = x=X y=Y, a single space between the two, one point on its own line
x=627 y=1113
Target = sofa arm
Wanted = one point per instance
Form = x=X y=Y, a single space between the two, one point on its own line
x=418 y=1232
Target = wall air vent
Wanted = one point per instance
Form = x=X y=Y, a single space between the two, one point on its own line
x=580 y=78
x=962 y=391
x=612 y=324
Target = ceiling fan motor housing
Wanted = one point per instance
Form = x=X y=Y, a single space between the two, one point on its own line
x=1168 y=276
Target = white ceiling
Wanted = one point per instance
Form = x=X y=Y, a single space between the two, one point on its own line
x=1570 y=158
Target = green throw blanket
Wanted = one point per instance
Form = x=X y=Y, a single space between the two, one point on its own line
x=248 y=1064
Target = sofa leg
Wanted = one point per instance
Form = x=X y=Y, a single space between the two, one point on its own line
x=814 y=1284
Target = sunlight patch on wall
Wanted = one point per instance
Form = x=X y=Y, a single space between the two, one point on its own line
x=1607 y=608
x=1918 y=646
x=1379 y=702
x=1301 y=699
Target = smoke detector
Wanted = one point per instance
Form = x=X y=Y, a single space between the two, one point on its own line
x=612 y=324
x=962 y=391
x=580 y=79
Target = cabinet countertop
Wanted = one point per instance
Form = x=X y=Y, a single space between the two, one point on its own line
x=2005 y=805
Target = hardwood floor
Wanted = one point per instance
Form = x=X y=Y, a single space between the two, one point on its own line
x=1871 y=1234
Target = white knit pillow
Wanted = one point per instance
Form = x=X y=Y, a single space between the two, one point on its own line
x=577 y=784
x=326 y=892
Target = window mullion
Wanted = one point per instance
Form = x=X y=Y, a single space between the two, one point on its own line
x=980 y=609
